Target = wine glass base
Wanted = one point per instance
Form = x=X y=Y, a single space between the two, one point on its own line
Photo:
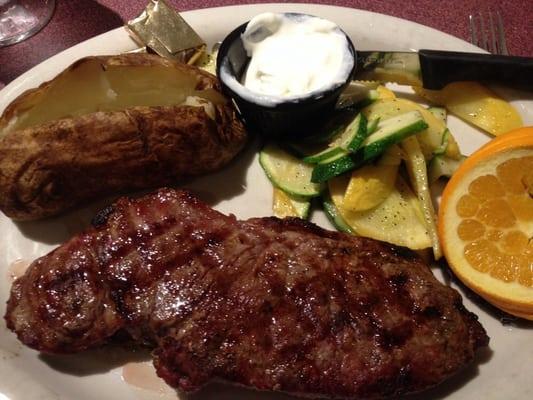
x=18 y=23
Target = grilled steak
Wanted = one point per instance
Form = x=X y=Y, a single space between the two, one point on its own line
x=268 y=303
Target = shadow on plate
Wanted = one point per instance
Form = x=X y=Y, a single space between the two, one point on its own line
x=494 y=312
x=57 y=230
x=213 y=188
x=456 y=382
x=228 y=182
x=226 y=391
x=98 y=361
x=223 y=391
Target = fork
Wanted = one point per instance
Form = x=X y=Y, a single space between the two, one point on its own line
x=489 y=32
x=439 y=68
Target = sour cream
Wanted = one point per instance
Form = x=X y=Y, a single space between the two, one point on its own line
x=292 y=55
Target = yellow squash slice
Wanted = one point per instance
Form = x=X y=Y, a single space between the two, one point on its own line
x=417 y=169
x=370 y=185
x=477 y=105
x=398 y=220
x=385 y=93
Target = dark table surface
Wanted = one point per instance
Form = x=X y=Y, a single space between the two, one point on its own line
x=78 y=20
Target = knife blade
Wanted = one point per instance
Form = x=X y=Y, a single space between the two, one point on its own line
x=434 y=69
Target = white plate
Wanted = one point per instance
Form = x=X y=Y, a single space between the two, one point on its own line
x=502 y=372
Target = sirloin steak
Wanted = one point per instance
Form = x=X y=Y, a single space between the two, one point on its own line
x=268 y=303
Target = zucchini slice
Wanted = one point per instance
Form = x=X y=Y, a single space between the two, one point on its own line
x=334 y=166
x=389 y=132
x=443 y=144
x=358 y=95
x=372 y=126
x=323 y=155
x=355 y=134
x=430 y=138
x=349 y=140
x=285 y=205
x=417 y=169
x=442 y=166
x=334 y=215
x=392 y=131
x=288 y=173
x=439 y=113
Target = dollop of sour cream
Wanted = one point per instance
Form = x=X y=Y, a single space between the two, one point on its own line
x=292 y=55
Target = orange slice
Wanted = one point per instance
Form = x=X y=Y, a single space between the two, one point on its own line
x=511 y=311
x=486 y=222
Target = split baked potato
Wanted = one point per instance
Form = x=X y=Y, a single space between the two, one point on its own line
x=109 y=124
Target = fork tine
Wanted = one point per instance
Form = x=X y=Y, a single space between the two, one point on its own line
x=494 y=47
x=484 y=41
x=501 y=35
x=473 y=30
x=490 y=37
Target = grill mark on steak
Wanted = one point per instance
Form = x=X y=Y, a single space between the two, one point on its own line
x=268 y=303
x=101 y=216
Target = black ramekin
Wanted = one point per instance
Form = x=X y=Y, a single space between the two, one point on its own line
x=300 y=116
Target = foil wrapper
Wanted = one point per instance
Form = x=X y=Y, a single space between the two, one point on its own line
x=162 y=30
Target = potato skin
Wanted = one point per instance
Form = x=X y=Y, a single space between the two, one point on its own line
x=47 y=169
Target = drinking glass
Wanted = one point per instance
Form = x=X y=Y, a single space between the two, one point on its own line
x=20 y=19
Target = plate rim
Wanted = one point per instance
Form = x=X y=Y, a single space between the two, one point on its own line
x=13 y=89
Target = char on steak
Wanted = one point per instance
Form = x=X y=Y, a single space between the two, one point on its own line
x=268 y=303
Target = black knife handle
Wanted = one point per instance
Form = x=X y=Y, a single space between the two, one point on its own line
x=442 y=67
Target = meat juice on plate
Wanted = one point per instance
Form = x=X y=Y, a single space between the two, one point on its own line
x=17 y=268
x=142 y=375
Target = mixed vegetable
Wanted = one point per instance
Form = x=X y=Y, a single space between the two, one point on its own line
x=371 y=171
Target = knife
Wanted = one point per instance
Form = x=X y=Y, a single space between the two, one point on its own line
x=434 y=69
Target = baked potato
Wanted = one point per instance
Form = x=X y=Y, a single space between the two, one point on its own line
x=111 y=124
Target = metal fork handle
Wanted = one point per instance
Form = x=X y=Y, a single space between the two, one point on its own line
x=442 y=67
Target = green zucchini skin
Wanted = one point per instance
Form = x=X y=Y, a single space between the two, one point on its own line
x=350 y=139
x=441 y=150
x=360 y=134
x=332 y=213
x=322 y=156
x=330 y=169
x=374 y=145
